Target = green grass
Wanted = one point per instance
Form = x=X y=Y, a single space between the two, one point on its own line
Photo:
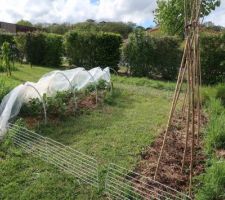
x=117 y=131
x=212 y=182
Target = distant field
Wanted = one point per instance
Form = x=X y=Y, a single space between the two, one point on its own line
x=117 y=131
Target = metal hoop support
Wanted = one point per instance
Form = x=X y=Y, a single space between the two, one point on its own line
x=42 y=100
x=71 y=86
x=111 y=85
x=114 y=71
x=96 y=90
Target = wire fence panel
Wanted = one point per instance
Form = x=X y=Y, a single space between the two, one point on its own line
x=83 y=167
x=124 y=184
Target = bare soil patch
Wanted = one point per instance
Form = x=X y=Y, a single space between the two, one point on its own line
x=170 y=167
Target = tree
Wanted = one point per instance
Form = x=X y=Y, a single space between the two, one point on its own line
x=117 y=27
x=24 y=23
x=170 y=14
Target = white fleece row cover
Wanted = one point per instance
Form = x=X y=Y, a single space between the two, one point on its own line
x=49 y=84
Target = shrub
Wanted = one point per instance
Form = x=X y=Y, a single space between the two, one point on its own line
x=213 y=58
x=20 y=40
x=33 y=107
x=91 y=49
x=35 y=48
x=213 y=182
x=157 y=57
x=40 y=48
x=6 y=37
x=6 y=57
x=53 y=50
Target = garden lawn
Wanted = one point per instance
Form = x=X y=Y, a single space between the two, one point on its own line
x=115 y=132
x=25 y=73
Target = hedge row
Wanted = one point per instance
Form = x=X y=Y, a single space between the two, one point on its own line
x=152 y=56
x=160 y=56
x=40 y=48
x=213 y=58
x=89 y=49
x=157 y=57
x=5 y=37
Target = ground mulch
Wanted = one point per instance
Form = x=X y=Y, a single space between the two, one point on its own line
x=169 y=172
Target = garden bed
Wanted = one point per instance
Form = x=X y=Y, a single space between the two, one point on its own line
x=169 y=172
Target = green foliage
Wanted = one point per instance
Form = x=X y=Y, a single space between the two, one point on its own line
x=5 y=37
x=113 y=27
x=91 y=49
x=24 y=23
x=40 y=48
x=89 y=26
x=53 y=50
x=213 y=182
x=55 y=28
x=214 y=136
x=4 y=88
x=117 y=27
x=114 y=133
x=102 y=85
x=6 y=57
x=213 y=58
x=152 y=56
x=170 y=14
x=35 y=48
x=21 y=42
x=56 y=106
x=221 y=93
x=207 y=93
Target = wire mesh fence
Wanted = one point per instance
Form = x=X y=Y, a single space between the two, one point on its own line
x=120 y=183
x=83 y=167
x=124 y=184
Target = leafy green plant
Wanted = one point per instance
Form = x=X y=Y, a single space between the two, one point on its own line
x=6 y=55
x=32 y=108
x=102 y=85
x=56 y=106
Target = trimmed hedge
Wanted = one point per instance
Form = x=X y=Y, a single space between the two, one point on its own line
x=213 y=58
x=53 y=50
x=40 y=48
x=91 y=49
x=6 y=37
x=155 y=57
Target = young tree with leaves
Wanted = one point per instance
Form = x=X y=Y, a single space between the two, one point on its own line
x=6 y=53
x=169 y=14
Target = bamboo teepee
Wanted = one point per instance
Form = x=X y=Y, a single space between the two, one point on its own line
x=190 y=70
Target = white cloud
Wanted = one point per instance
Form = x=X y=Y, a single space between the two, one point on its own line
x=218 y=16
x=138 y=11
x=76 y=10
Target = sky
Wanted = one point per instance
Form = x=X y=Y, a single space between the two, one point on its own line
x=73 y=11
